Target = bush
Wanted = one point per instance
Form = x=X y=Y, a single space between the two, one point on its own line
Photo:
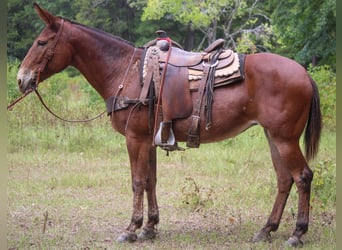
x=326 y=82
x=324 y=181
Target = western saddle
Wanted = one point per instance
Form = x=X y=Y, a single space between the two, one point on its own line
x=170 y=74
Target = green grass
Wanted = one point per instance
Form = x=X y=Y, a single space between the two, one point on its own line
x=75 y=179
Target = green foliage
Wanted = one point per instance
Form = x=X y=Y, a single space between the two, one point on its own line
x=12 y=87
x=228 y=19
x=200 y=13
x=326 y=81
x=306 y=30
x=324 y=182
x=111 y=16
x=303 y=30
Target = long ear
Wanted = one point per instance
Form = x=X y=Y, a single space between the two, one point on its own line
x=46 y=16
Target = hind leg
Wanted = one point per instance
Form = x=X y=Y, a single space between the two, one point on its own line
x=284 y=184
x=303 y=179
x=290 y=166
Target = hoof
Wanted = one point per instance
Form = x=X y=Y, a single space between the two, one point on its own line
x=262 y=236
x=294 y=242
x=147 y=234
x=127 y=237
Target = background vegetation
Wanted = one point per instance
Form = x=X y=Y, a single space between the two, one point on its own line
x=69 y=184
x=301 y=29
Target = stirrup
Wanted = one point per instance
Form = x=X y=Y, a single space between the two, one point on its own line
x=173 y=147
x=158 y=138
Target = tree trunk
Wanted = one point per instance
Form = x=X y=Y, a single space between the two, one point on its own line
x=190 y=37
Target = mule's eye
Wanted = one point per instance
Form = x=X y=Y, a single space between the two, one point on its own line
x=41 y=43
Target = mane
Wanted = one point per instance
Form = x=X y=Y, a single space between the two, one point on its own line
x=100 y=32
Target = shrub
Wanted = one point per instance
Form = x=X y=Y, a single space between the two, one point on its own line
x=326 y=81
x=324 y=182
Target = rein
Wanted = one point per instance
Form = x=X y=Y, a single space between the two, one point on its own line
x=47 y=57
x=63 y=119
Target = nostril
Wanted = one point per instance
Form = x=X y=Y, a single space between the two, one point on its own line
x=19 y=82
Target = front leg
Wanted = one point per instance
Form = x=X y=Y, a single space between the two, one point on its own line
x=149 y=230
x=142 y=157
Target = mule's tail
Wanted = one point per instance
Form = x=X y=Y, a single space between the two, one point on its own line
x=314 y=125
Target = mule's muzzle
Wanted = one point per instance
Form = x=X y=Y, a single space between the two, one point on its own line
x=26 y=88
x=26 y=81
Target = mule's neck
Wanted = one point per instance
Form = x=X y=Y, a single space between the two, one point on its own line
x=102 y=58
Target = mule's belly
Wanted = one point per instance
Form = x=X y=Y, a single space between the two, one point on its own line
x=216 y=132
x=232 y=113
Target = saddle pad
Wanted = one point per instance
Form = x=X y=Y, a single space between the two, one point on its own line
x=195 y=75
x=229 y=78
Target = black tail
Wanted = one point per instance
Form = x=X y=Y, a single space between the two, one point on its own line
x=314 y=125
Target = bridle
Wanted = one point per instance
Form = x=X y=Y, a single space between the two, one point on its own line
x=50 y=51
x=46 y=58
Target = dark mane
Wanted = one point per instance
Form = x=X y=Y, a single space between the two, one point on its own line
x=100 y=31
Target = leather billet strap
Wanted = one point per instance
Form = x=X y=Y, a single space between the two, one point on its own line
x=193 y=135
x=208 y=72
x=115 y=103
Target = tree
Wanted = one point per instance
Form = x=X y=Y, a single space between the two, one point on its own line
x=114 y=17
x=230 y=19
x=306 y=30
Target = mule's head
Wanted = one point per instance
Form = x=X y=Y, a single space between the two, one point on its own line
x=48 y=55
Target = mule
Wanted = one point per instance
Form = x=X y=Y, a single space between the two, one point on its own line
x=277 y=93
